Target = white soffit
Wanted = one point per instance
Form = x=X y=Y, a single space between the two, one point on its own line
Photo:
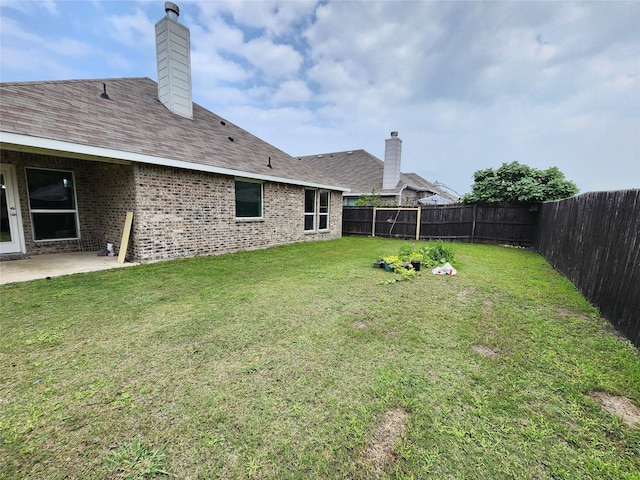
x=27 y=143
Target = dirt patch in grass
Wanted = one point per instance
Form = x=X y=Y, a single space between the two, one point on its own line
x=619 y=406
x=464 y=294
x=568 y=313
x=388 y=432
x=359 y=325
x=483 y=350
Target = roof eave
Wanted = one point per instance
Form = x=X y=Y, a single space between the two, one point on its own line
x=28 y=143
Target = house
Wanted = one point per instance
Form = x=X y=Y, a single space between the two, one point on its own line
x=77 y=155
x=364 y=173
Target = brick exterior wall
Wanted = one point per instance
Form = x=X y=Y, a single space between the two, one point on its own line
x=183 y=213
x=114 y=189
x=177 y=213
x=410 y=197
x=101 y=193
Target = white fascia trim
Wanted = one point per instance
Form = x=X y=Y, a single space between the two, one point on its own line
x=7 y=139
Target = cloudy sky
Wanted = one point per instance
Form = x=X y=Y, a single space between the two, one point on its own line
x=468 y=85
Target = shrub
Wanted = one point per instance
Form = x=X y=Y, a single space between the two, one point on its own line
x=406 y=252
x=437 y=253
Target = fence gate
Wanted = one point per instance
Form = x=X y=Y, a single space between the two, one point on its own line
x=396 y=222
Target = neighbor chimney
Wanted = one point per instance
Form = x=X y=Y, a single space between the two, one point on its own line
x=174 y=63
x=392 y=153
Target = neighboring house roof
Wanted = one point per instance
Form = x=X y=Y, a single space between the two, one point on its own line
x=72 y=118
x=363 y=173
x=358 y=169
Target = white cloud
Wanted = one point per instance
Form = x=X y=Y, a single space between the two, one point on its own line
x=213 y=34
x=13 y=35
x=258 y=54
x=292 y=91
x=132 y=30
x=31 y=6
x=270 y=17
x=213 y=69
x=334 y=76
x=371 y=44
x=273 y=60
x=50 y=6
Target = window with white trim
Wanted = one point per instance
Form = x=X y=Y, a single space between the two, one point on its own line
x=248 y=199
x=323 y=210
x=316 y=210
x=309 y=210
x=52 y=204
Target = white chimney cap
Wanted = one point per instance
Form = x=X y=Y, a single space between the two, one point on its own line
x=394 y=134
x=172 y=10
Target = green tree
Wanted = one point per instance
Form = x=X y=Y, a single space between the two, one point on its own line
x=515 y=182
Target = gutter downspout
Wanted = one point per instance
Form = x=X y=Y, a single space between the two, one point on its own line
x=400 y=194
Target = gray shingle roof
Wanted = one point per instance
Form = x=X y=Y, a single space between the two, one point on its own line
x=358 y=169
x=363 y=172
x=135 y=121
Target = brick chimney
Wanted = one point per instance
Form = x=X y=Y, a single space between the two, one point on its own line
x=392 y=154
x=174 y=63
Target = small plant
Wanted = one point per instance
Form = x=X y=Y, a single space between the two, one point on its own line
x=402 y=269
x=437 y=253
x=136 y=460
x=393 y=262
x=406 y=252
x=416 y=257
x=388 y=281
x=407 y=272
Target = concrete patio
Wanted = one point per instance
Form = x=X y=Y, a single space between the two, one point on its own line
x=43 y=266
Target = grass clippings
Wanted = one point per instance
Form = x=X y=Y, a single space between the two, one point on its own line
x=619 y=406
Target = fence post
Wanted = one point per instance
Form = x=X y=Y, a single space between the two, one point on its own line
x=473 y=224
x=373 y=223
x=418 y=224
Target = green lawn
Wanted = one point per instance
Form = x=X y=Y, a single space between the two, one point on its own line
x=299 y=363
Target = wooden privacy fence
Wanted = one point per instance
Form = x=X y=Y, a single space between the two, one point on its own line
x=503 y=223
x=594 y=240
